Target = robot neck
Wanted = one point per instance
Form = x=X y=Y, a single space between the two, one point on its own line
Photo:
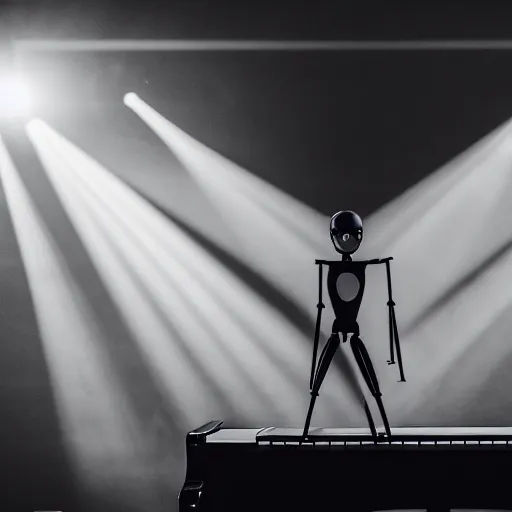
x=346 y=257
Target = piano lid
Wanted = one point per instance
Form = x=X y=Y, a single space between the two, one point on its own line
x=406 y=434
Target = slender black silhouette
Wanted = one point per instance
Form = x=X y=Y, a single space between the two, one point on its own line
x=345 y=285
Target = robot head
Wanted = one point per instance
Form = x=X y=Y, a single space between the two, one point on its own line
x=346 y=232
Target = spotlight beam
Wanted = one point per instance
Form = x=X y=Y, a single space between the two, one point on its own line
x=97 y=433
x=265 y=288
x=15 y=97
x=231 y=188
x=166 y=45
x=161 y=255
x=457 y=287
x=120 y=285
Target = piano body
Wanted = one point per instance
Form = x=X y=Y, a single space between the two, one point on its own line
x=268 y=469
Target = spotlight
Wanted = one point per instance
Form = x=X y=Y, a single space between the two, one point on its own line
x=346 y=232
x=130 y=99
x=15 y=97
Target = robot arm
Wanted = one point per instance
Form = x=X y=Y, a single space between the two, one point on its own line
x=378 y=261
x=394 y=340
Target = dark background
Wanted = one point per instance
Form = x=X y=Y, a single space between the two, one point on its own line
x=332 y=129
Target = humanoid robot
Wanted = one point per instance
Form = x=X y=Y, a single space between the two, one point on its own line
x=345 y=285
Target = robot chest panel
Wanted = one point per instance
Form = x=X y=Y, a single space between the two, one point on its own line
x=345 y=283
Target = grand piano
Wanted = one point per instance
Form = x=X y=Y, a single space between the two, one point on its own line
x=270 y=469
